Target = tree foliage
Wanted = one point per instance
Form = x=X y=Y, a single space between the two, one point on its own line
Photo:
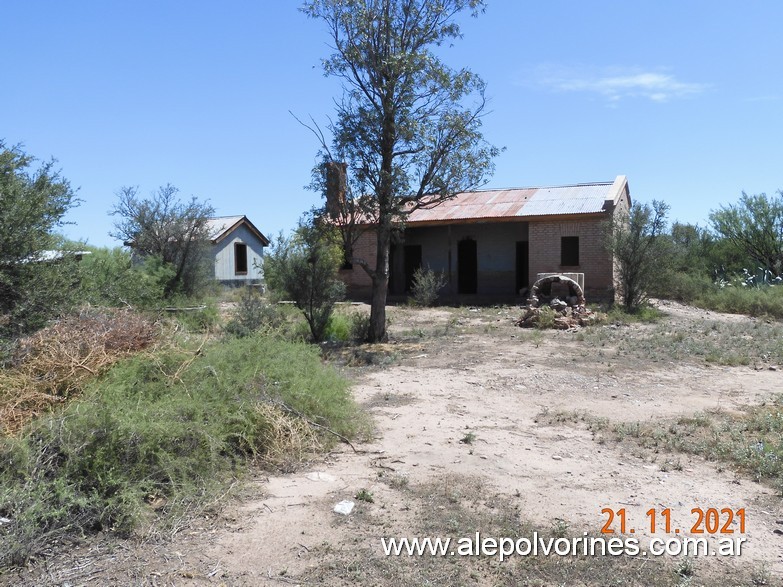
x=754 y=226
x=639 y=250
x=402 y=125
x=304 y=269
x=109 y=277
x=33 y=202
x=167 y=228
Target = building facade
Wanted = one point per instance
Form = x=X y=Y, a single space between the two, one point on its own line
x=492 y=244
x=238 y=250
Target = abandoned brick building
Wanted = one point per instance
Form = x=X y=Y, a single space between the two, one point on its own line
x=492 y=244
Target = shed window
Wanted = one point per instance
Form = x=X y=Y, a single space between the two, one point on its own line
x=569 y=251
x=240 y=259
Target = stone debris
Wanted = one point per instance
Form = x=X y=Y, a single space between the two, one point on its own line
x=345 y=507
x=561 y=307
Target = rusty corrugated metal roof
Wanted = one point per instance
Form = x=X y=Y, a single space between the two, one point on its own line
x=520 y=202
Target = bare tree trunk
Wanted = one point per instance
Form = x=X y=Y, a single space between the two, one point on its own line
x=380 y=286
x=384 y=192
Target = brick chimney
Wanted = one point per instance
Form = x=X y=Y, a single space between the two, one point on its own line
x=336 y=174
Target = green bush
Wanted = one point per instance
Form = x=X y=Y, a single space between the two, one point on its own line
x=252 y=314
x=360 y=326
x=109 y=277
x=680 y=286
x=338 y=328
x=33 y=201
x=304 y=269
x=353 y=326
x=426 y=286
x=753 y=301
x=546 y=318
x=202 y=318
x=734 y=296
x=170 y=428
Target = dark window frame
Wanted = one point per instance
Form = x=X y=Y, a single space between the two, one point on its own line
x=569 y=251
x=237 y=265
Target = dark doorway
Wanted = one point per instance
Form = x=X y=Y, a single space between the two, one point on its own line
x=240 y=259
x=412 y=262
x=467 y=267
x=522 y=266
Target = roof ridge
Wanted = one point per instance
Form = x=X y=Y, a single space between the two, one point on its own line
x=540 y=187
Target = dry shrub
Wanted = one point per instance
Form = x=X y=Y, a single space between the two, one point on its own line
x=20 y=401
x=288 y=440
x=56 y=362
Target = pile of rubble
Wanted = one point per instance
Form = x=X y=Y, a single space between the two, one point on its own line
x=561 y=308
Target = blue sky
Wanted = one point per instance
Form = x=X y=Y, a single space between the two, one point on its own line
x=684 y=98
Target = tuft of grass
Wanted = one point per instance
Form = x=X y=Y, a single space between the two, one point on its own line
x=397 y=481
x=752 y=442
x=202 y=318
x=536 y=338
x=338 y=328
x=617 y=314
x=364 y=495
x=171 y=429
x=469 y=438
x=546 y=318
x=717 y=342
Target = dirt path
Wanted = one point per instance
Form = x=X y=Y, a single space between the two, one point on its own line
x=471 y=402
x=493 y=387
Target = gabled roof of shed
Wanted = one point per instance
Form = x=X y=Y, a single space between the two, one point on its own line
x=220 y=227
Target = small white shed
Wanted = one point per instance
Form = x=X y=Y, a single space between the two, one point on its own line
x=238 y=250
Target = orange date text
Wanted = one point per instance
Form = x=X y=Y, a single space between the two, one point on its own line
x=703 y=521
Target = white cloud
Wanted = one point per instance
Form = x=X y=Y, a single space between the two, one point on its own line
x=765 y=98
x=616 y=85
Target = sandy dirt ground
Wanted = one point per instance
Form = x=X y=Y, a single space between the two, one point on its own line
x=465 y=394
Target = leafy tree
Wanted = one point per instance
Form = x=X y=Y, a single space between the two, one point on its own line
x=165 y=227
x=304 y=268
x=33 y=201
x=639 y=250
x=343 y=208
x=401 y=126
x=693 y=246
x=754 y=226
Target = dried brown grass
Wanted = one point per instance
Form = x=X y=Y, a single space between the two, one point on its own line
x=288 y=440
x=54 y=364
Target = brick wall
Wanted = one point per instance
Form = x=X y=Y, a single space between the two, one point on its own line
x=594 y=260
x=357 y=281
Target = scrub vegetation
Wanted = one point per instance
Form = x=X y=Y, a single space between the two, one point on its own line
x=750 y=441
x=162 y=433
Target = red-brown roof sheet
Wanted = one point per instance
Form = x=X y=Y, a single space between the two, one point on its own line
x=520 y=202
